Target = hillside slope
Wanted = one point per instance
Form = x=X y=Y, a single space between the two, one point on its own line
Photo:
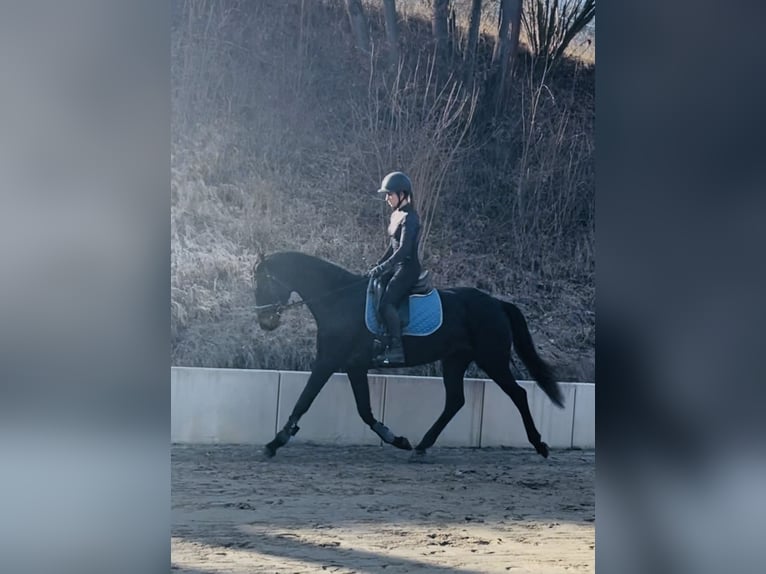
x=282 y=132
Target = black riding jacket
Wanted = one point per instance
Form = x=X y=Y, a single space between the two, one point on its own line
x=404 y=231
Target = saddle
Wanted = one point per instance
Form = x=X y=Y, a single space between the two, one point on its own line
x=422 y=286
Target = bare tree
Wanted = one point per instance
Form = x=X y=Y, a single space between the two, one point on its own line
x=552 y=25
x=451 y=30
x=439 y=22
x=516 y=10
x=473 y=38
x=392 y=28
x=509 y=21
x=507 y=42
x=358 y=24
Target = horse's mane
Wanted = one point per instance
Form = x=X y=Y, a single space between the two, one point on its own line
x=310 y=263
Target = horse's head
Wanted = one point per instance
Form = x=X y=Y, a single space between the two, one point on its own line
x=271 y=295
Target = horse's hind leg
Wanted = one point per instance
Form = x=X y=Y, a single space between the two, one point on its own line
x=454 y=369
x=499 y=371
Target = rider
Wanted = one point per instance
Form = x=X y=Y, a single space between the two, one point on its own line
x=400 y=263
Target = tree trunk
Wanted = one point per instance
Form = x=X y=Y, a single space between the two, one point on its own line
x=392 y=29
x=506 y=45
x=516 y=6
x=358 y=25
x=473 y=38
x=500 y=50
x=451 y=32
x=439 y=25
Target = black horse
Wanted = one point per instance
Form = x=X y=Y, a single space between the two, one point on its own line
x=476 y=327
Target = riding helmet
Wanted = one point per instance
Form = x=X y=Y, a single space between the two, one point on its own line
x=396 y=182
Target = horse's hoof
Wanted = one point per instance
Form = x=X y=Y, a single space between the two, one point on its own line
x=542 y=449
x=418 y=456
x=402 y=443
x=268 y=452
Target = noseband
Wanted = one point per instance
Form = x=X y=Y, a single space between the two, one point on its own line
x=278 y=307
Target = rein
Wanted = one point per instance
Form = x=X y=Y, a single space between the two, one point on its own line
x=282 y=306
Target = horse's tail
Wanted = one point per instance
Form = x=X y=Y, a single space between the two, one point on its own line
x=541 y=371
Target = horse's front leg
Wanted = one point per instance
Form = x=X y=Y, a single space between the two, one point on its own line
x=360 y=386
x=319 y=376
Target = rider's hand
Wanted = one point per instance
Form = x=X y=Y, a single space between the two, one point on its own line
x=375 y=271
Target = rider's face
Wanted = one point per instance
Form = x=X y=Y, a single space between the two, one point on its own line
x=392 y=199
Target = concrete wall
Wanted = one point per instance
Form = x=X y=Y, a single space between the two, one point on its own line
x=223 y=405
x=414 y=403
x=332 y=417
x=248 y=407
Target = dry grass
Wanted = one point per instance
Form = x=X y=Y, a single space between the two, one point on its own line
x=281 y=134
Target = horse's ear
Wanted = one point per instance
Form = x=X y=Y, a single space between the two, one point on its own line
x=256 y=263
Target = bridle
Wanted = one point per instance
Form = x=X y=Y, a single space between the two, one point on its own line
x=278 y=307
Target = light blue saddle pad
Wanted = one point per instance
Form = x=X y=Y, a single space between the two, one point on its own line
x=425 y=315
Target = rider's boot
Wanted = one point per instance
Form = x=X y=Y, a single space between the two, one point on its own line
x=394 y=354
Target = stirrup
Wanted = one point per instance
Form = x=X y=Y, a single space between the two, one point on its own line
x=394 y=358
x=381 y=358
